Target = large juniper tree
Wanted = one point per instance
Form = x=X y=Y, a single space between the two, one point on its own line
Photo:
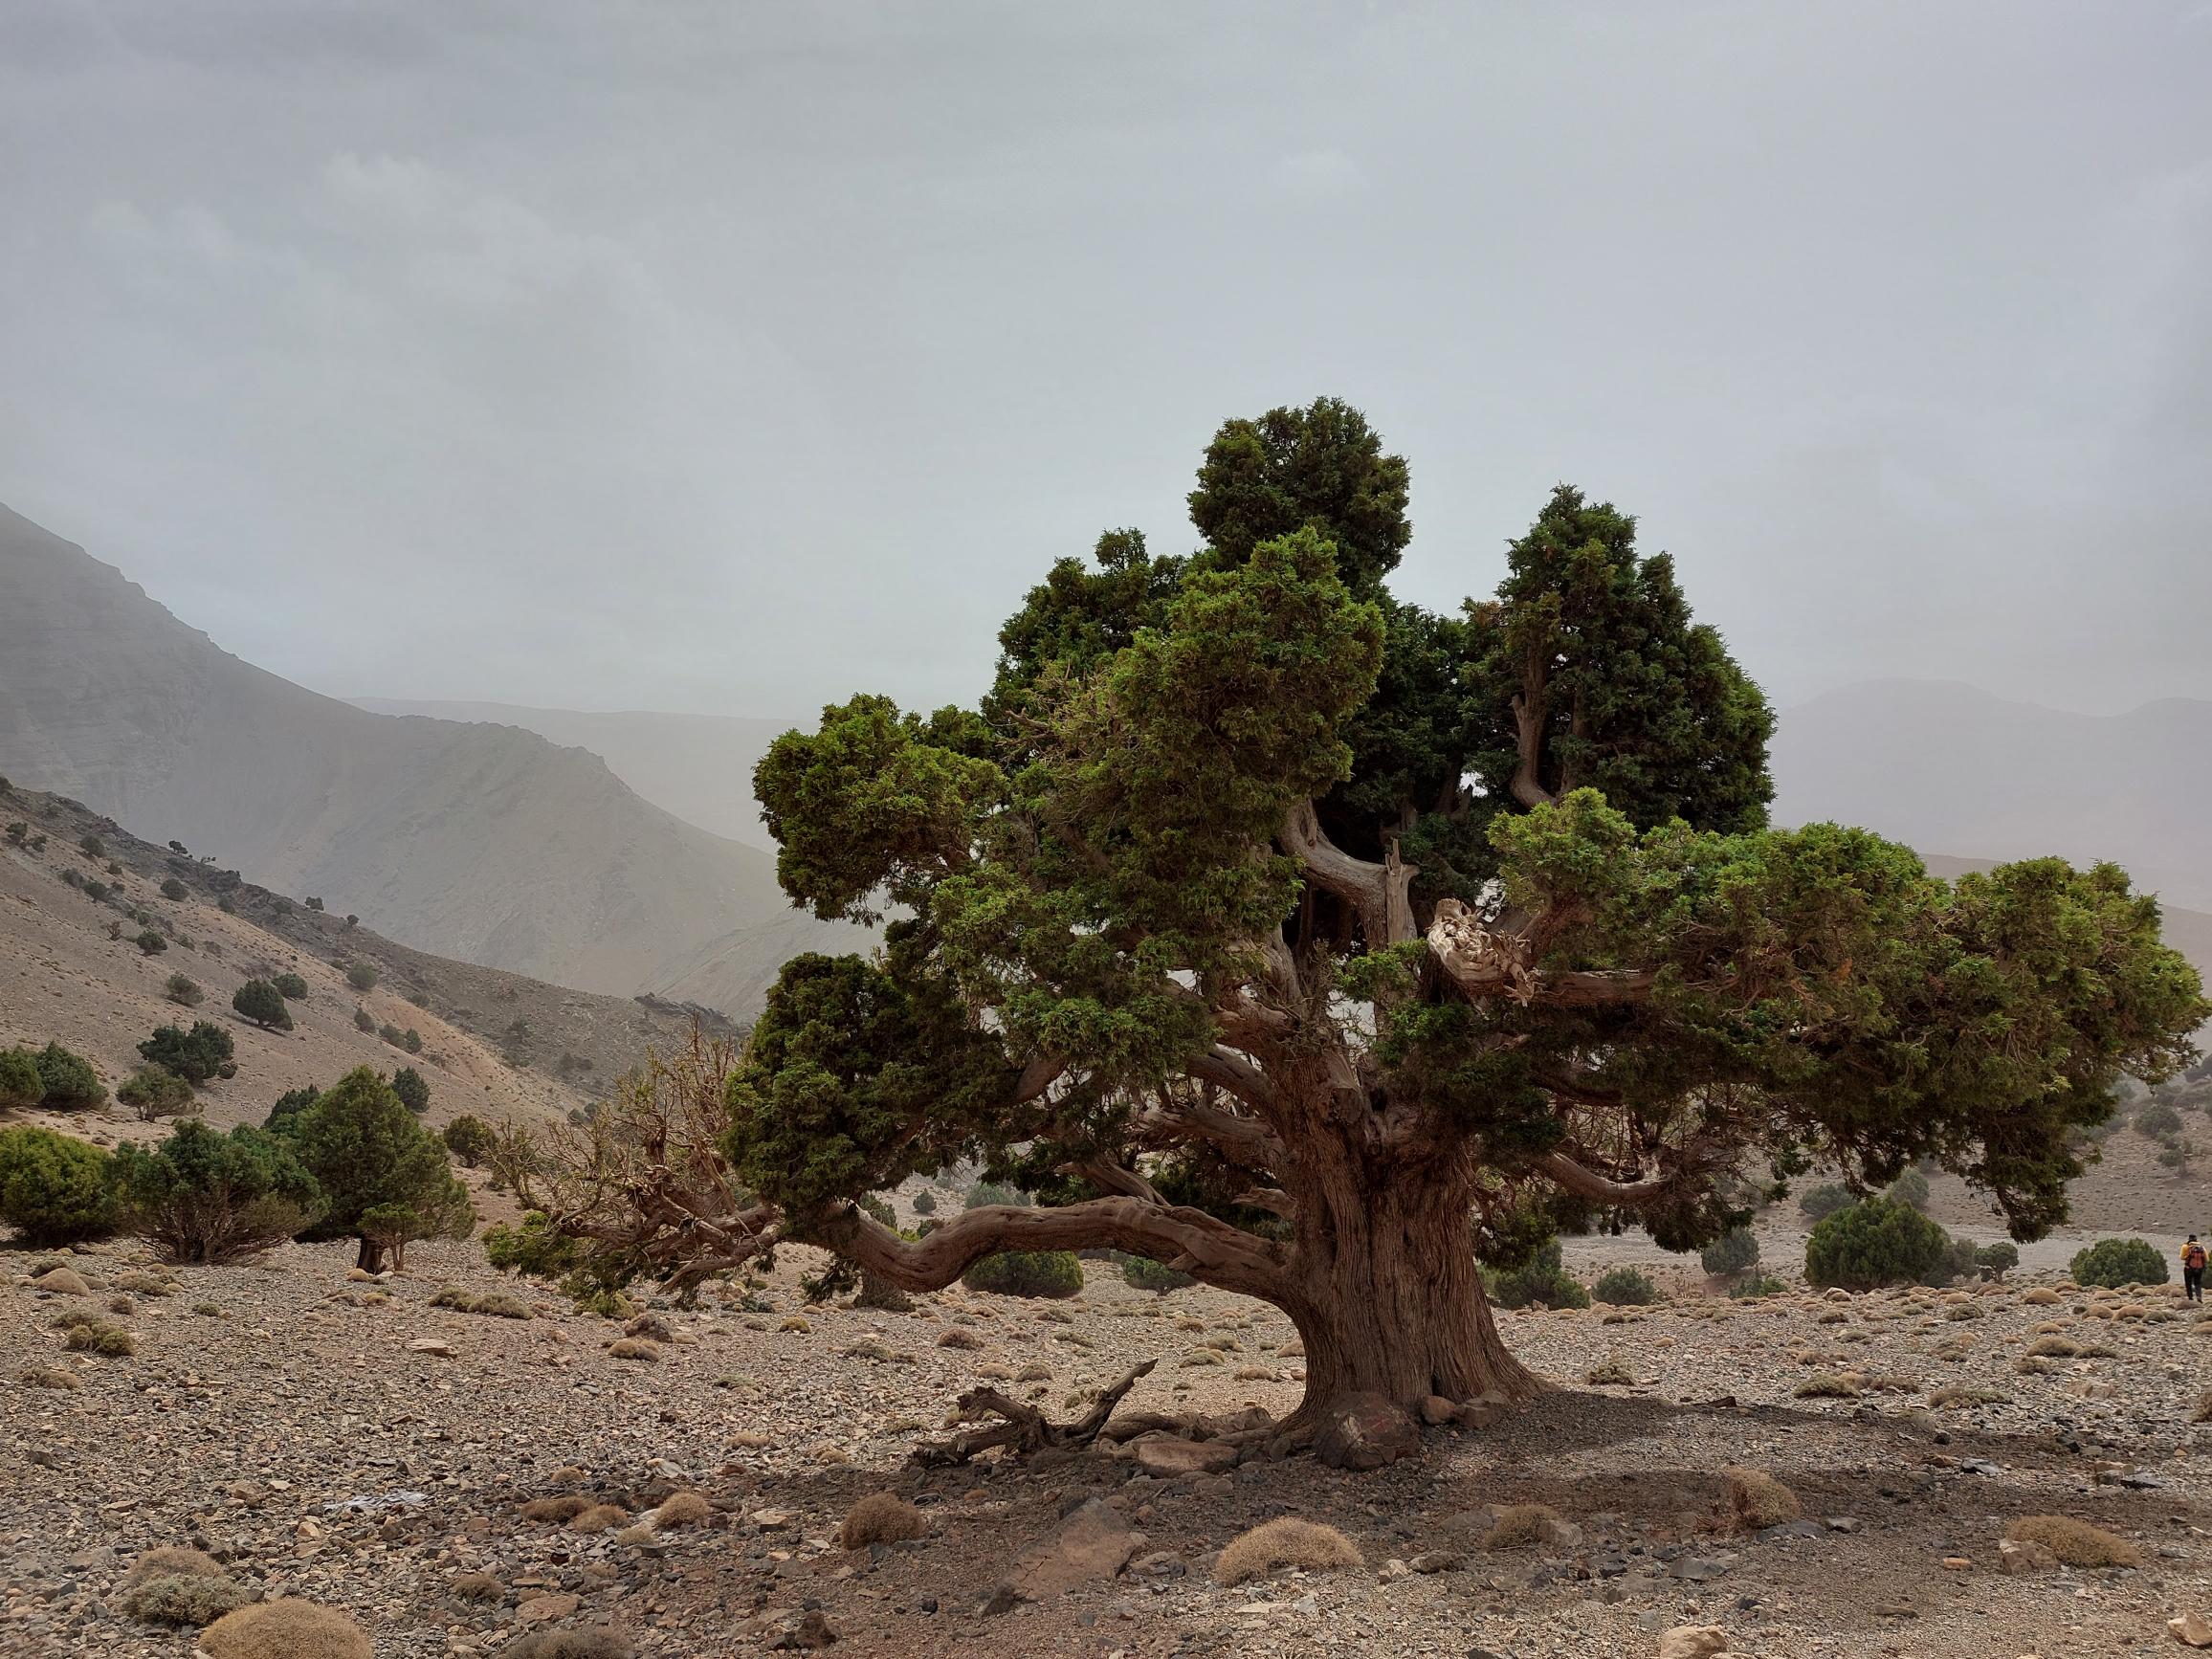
x=1319 y=946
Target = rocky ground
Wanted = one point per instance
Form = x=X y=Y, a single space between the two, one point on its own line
x=353 y=1443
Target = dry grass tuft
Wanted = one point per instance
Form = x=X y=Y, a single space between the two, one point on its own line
x=183 y=1599
x=48 y=1377
x=174 y=1562
x=1285 y=1542
x=796 y=1322
x=1825 y=1385
x=556 y=1510
x=569 y=1645
x=2075 y=1543
x=2204 y=1411
x=2042 y=1298
x=631 y=1348
x=959 y=1337
x=477 y=1587
x=881 y=1517
x=599 y=1518
x=286 y=1629
x=2055 y=1348
x=569 y=1478
x=1520 y=1524
x=683 y=1509
x=1965 y=1394
x=1755 y=1499
x=498 y=1304
x=1612 y=1373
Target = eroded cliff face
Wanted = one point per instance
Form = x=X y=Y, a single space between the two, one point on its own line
x=477 y=841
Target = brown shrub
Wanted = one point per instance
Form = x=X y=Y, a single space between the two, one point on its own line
x=1520 y=1524
x=2040 y=1298
x=48 y=1377
x=174 y=1562
x=2075 y=1543
x=477 y=1587
x=1284 y=1542
x=286 y=1629
x=599 y=1517
x=632 y=1348
x=569 y=1645
x=1825 y=1385
x=959 y=1337
x=99 y=1337
x=683 y=1509
x=557 y=1509
x=1755 y=1499
x=567 y=1475
x=881 y=1517
x=2055 y=1348
x=183 y=1599
x=1612 y=1373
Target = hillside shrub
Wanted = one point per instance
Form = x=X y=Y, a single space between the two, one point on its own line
x=195 y=1055
x=413 y=1093
x=1909 y=1188
x=362 y=975
x=1624 y=1287
x=175 y=890
x=1733 y=1252
x=986 y=1192
x=1818 y=1203
x=1048 y=1274
x=21 y=1086
x=2158 y=1120
x=53 y=1189
x=386 y=1180
x=205 y=1196
x=2113 y=1262
x=97 y=891
x=1143 y=1274
x=71 y=1085
x=185 y=992
x=155 y=1091
x=151 y=943
x=1880 y=1242
x=292 y=1100
x=468 y=1139
x=391 y=1034
x=926 y=1202
x=92 y=847
x=262 y=1002
x=363 y=1021
x=1998 y=1259
x=412 y=1040
x=1543 y=1280
x=313 y=903
x=291 y=987
x=1755 y=1285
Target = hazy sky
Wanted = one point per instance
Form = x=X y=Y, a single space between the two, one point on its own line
x=732 y=357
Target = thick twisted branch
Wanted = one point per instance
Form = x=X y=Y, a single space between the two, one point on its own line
x=1186 y=1239
x=1379 y=894
x=1481 y=964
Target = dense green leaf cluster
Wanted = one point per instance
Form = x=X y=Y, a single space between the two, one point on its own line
x=2114 y=1262
x=205 y=1196
x=53 y=1189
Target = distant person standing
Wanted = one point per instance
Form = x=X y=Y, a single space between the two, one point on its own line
x=2193 y=1268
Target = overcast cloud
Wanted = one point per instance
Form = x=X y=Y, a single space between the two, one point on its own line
x=731 y=358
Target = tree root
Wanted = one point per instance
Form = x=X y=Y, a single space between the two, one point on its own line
x=1024 y=1429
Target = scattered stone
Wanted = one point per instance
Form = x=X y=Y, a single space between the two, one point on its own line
x=2192 y=1629
x=1366 y=1432
x=1692 y=1642
x=1092 y=1545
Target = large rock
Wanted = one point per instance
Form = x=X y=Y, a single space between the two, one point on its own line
x=1170 y=1455
x=1366 y=1432
x=2192 y=1629
x=1692 y=1642
x=1091 y=1546
x=2017 y=1556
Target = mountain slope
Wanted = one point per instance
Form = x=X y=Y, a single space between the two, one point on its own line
x=697 y=767
x=1951 y=769
x=479 y=842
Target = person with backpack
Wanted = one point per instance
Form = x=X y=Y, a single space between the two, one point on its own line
x=2193 y=1270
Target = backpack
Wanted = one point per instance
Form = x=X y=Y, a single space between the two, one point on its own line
x=2193 y=1256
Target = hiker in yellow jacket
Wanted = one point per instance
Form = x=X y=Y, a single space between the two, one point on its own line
x=2193 y=1268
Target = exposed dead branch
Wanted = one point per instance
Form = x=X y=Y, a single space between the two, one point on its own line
x=1023 y=1429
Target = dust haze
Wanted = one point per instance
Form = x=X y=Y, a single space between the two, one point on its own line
x=726 y=360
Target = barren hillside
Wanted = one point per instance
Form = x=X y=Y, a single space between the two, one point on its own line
x=494 y=1043
x=484 y=843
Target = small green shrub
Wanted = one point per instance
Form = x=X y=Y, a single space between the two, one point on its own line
x=363 y=1021
x=1143 y=1274
x=21 y=1086
x=154 y=1092
x=1050 y=1273
x=184 y=991
x=1624 y=1287
x=362 y=975
x=71 y=1083
x=1758 y=1285
x=1818 y=1203
x=1909 y=1188
x=2158 y=1120
x=413 y=1093
x=1543 y=1279
x=1998 y=1259
x=926 y=1202
x=291 y=987
x=195 y=1055
x=92 y=847
x=262 y=1002
x=468 y=1139
x=203 y=1196
x=175 y=890
x=986 y=1192
x=1880 y=1242
x=1733 y=1252
x=150 y=942
x=53 y=1189
x=2113 y=1262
